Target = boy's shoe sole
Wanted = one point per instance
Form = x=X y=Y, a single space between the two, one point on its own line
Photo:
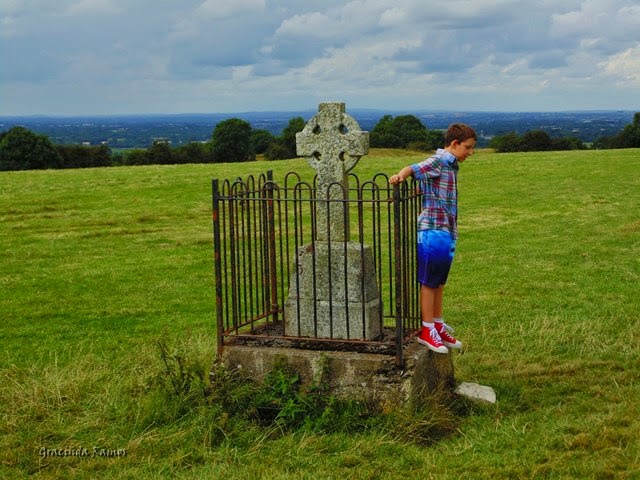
x=441 y=349
x=458 y=344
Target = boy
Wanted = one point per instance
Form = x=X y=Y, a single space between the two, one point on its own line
x=438 y=229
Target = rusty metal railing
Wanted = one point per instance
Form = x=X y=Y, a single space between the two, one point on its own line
x=258 y=228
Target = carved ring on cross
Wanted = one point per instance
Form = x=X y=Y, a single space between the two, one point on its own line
x=332 y=137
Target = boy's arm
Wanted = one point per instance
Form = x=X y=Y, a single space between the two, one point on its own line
x=401 y=176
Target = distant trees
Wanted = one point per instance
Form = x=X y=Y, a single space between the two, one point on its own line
x=261 y=140
x=193 y=152
x=533 y=141
x=83 y=156
x=538 y=140
x=231 y=141
x=161 y=153
x=21 y=149
x=629 y=137
x=405 y=131
x=234 y=140
x=285 y=146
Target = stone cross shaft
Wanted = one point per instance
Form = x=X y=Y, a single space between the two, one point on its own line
x=333 y=143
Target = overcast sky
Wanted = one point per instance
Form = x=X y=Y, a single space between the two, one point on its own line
x=186 y=56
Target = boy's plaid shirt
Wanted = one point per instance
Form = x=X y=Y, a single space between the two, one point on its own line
x=437 y=177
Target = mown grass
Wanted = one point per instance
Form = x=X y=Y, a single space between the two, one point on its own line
x=97 y=265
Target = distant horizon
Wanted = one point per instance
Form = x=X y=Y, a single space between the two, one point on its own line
x=140 y=130
x=307 y=110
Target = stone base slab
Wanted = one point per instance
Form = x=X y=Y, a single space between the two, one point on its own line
x=366 y=376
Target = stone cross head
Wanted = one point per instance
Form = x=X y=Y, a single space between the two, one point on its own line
x=333 y=143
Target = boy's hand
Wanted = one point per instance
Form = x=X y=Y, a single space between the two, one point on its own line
x=394 y=179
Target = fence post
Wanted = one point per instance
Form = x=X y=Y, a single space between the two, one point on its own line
x=397 y=245
x=217 y=256
x=272 y=290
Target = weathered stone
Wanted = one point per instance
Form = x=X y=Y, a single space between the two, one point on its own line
x=333 y=143
x=361 y=376
x=345 y=270
x=434 y=372
x=333 y=293
x=478 y=392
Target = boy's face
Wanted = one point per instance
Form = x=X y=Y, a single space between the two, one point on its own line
x=462 y=150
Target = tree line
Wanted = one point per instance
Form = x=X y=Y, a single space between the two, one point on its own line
x=534 y=141
x=539 y=140
x=234 y=140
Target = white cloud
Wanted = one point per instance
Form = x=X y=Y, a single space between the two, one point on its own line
x=183 y=30
x=261 y=54
x=221 y=9
x=608 y=19
x=313 y=24
x=624 y=67
x=393 y=17
x=93 y=7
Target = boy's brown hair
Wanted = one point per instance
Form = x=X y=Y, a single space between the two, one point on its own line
x=460 y=132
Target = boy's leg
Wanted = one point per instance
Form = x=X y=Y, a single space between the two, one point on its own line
x=434 y=256
x=442 y=329
x=437 y=302
x=428 y=298
x=428 y=335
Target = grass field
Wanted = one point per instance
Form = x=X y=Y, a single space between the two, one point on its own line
x=98 y=266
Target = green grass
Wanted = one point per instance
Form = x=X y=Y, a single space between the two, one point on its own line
x=97 y=265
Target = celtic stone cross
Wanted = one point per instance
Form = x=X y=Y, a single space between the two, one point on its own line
x=333 y=143
x=333 y=292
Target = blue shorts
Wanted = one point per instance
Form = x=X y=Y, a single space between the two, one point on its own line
x=435 y=255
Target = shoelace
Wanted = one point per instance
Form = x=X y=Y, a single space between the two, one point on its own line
x=447 y=328
x=435 y=335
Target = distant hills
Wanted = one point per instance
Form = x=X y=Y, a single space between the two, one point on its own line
x=139 y=131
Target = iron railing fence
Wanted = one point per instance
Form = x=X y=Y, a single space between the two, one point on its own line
x=258 y=228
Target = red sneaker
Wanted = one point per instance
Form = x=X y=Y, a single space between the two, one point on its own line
x=445 y=332
x=430 y=338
